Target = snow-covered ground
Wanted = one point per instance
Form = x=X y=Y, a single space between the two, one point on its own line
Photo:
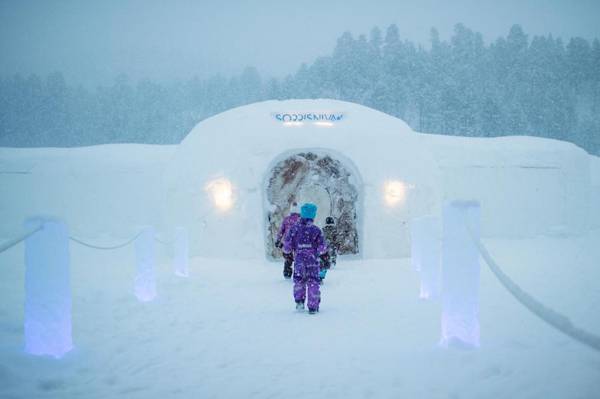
x=230 y=331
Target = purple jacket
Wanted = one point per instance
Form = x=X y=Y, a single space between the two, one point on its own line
x=287 y=224
x=306 y=241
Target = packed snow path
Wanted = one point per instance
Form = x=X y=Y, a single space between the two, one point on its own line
x=231 y=331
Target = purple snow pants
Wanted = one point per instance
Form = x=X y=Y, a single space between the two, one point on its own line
x=306 y=284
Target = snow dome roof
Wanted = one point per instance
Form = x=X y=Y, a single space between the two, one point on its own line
x=243 y=144
x=276 y=126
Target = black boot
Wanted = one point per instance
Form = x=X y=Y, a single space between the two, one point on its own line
x=287 y=271
x=287 y=265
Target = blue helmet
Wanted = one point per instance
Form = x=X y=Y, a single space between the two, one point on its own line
x=308 y=211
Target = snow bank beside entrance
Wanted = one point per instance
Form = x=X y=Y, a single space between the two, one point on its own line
x=526 y=185
x=108 y=189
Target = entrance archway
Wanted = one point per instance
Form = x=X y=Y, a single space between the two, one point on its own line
x=318 y=177
x=318 y=195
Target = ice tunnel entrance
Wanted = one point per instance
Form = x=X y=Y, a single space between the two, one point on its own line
x=318 y=177
x=319 y=196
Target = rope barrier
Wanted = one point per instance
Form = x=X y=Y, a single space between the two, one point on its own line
x=94 y=246
x=550 y=316
x=11 y=243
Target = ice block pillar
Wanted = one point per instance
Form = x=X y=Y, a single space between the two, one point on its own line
x=47 y=289
x=460 y=274
x=181 y=256
x=145 y=278
x=425 y=254
x=416 y=242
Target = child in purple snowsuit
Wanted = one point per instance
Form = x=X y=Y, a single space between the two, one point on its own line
x=305 y=241
x=286 y=225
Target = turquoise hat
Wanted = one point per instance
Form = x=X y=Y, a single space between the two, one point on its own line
x=308 y=211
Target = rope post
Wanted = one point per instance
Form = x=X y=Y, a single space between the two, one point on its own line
x=181 y=256
x=47 y=289
x=460 y=275
x=145 y=278
x=425 y=254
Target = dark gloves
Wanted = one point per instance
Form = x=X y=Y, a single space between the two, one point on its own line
x=325 y=264
x=278 y=244
x=289 y=257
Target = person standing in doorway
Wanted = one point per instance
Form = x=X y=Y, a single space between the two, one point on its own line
x=331 y=239
x=286 y=225
x=305 y=241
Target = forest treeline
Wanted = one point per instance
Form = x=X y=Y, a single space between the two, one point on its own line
x=515 y=85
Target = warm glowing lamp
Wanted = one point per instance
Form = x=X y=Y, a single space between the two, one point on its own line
x=221 y=191
x=394 y=192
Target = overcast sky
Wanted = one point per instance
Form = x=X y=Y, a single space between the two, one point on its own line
x=93 y=41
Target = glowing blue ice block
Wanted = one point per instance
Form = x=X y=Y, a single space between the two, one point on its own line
x=425 y=254
x=47 y=289
x=145 y=278
x=460 y=274
x=416 y=242
x=181 y=256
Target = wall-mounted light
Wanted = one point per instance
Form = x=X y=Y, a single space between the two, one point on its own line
x=221 y=192
x=394 y=192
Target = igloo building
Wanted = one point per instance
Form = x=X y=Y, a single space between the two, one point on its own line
x=233 y=178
